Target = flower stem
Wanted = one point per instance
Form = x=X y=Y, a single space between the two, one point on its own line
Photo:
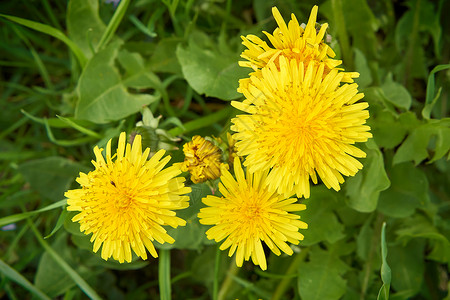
x=232 y=271
x=164 y=275
x=216 y=274
x=342 y=33
x=284 y=284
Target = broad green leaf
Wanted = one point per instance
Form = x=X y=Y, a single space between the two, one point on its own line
x=396 y=93
x=420 y=226
x=210 y=72
x=63 y=264
x=407 y=266
x=15 y=276
x=49 y=276
x=51 y=176
x=415 y=147
x=52 y=32
x=321 y=277
x=164 y=58
x=320 y=207
x=363 y=189
x=103 y=97
x=84 y=25
x=390 y=130
x=361 y=66
x=386 y=274
x=408 y=191
x=191 y=236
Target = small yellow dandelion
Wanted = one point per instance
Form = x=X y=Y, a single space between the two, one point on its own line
x=300 y=123
x=249 y=214
x=292 y=41
x=127 y=199
x=202 y=159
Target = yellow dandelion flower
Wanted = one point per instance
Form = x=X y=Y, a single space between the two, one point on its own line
x=127 y=199
x=202 y=159
x=292 y=41
x=249 y=214
x=300 y=124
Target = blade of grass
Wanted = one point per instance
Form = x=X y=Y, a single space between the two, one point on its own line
x=202 y=122
x=113 y=24
x=59 y=223
x=66 y=143
x=82 y=284
x=41 y=66
x=430 y=98
x=18 y=217
x=15 y=276
x=52 y=32
x=79 y=127
x=383 y=294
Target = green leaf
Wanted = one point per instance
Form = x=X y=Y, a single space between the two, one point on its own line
x=415 y=147
x=321 y=277
x=52 y=32
x=363 y=189
x=431 y=98
x=389 y=130
x=84 y=286
x=210 y=72
x=84 y=25
x=103 y=97
x=383 y=294
x=408 y=191
x=420 y=226
x=49 y=275
x=320 y=207
x=407 y=265
x=15 y=276
x=51 y=176
x=396 y=93
x=164 y=57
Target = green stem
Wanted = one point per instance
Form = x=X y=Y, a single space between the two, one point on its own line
x=285 y=282
x=374 y=247
x=113 y=24
x=232 y=271
x=164 y=275
x=342 y=33
x=216 y=274
x=203 y=122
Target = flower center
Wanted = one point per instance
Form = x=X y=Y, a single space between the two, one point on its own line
x=123 y=200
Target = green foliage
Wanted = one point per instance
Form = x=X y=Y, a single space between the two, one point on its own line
x=76 y=73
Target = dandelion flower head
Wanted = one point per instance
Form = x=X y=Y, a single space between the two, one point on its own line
x=291 y=41
x=202 y=159
x=299 y=124
x=249 y=214
x=127 y=199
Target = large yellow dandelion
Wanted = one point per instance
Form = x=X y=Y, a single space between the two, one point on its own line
x=127 y=199
x=300 y=124
x=202 y=159
x=292 y=41
x=249 y=214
